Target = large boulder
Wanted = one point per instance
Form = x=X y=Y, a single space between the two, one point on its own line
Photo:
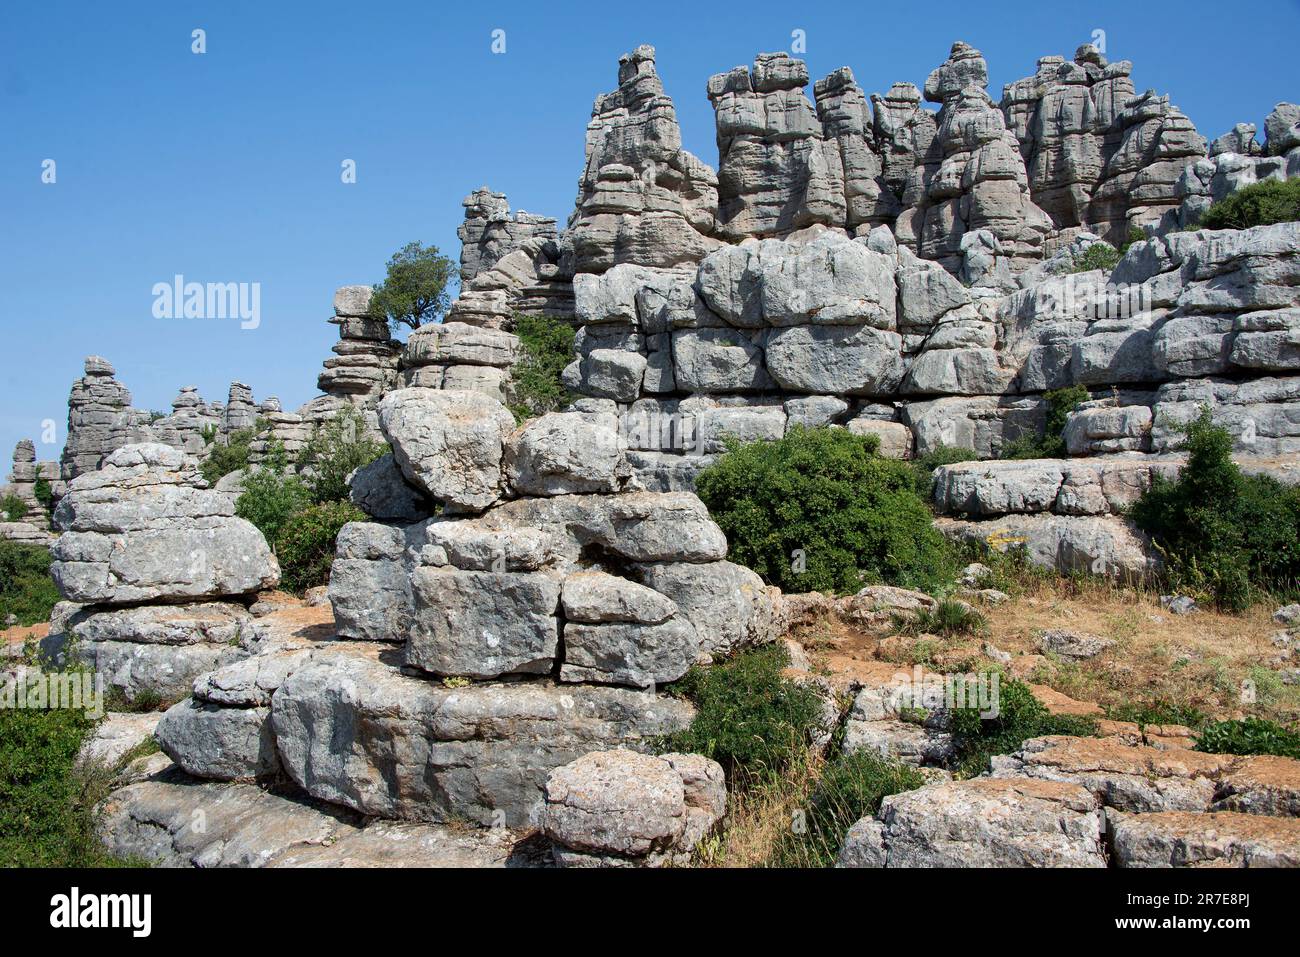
x=567 y=452
x=146 y=527
x=449 y=444
x=981 y=823
x=624 y=809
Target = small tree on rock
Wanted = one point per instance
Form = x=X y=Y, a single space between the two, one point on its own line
x=415 y=289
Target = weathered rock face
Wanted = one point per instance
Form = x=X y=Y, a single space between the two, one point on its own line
x=448 y=444
x=125 y=526
x=490 y=233
x=480 y=753
x=1225 y=839
x=34 y=523
x=981 y=823
x=972 y=178
x=366 y=356
x=100 y=419
x=642 y=199
x=777 y=173
x=624 y=809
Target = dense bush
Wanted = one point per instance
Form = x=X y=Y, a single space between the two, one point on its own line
x=44 y=493
x=26 y=589
x=335 y=450
x=12 y=509
x=1222 y=533
x=850 y=788
x=1251 y=736
x=535 y=386
x=229 y=456
x=1100 y=255
x=1051 y=445
x=46 y=801
x=1020 y=717
x=272 y=494
x=820 y=510
x=305 y=544
x=1260 y=204
x=749 y=717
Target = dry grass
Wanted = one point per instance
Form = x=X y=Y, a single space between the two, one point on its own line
x=760 y=812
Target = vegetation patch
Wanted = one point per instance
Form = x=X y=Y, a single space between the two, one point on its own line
x=850 y=788
x=26 y=589
x=47 y=802
x=749 y=717
x=949 y=617
x=535 y=384
x=1100 y=255
x=1251 y=736
x=1020 y=717
x=1259 y=204
x=1225 y=535
x=305 y=544
x=336 y=449
x=821 y=510
x=231 y=455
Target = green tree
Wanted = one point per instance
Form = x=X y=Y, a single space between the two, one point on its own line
x=415 y=289
x=272 y=494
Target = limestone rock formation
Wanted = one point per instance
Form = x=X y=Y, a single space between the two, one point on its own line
x=972 y=177
x=34 y=524
x=100 y=419
x=642 y=199
x=366 y=357
x=490 y=232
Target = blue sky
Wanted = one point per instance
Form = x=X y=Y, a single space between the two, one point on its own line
x=225 y=166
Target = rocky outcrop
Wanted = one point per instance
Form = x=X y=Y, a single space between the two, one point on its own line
x=100 y=419
x=642 y=199
x=33 y=525
x=461 y=357
x=972 y=179
x=152 y=555
x=490 y=233
x=365 y=363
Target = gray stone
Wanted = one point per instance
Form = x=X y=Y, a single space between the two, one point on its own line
x=448 y=444
x=225 y=744
x=628 y=653
x=1073 y=645
x=381 y=491
x=567 y=452
x=728 y=604
x=483 y=624
x=594 y=597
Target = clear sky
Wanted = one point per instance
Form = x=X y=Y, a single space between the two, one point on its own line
x=225 y=166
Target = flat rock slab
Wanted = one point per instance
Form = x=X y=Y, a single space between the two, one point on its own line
x=1182 y=839
x=175 y=821
x=116 y=736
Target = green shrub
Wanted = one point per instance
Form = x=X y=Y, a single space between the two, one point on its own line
x=925 y=465
x=1222 y=533
x=1259 y=204
x=44 y=493
x=1051 y=445
x=272 y=494
x=335 y=450
x=819 y=510
x=46 y=801
x=1100 y=255
x=1251 y=736
x=1136 y=234
x=850 y=788
x=305 y=546
x=749 y=718
x=535 y=386
x=26 y=589
x=12 y=508
x=1020 y=717
x=230 y=456
x=1159 y=711
x=949 y=617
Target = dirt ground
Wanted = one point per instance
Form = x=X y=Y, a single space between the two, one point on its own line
x=1207 y=660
